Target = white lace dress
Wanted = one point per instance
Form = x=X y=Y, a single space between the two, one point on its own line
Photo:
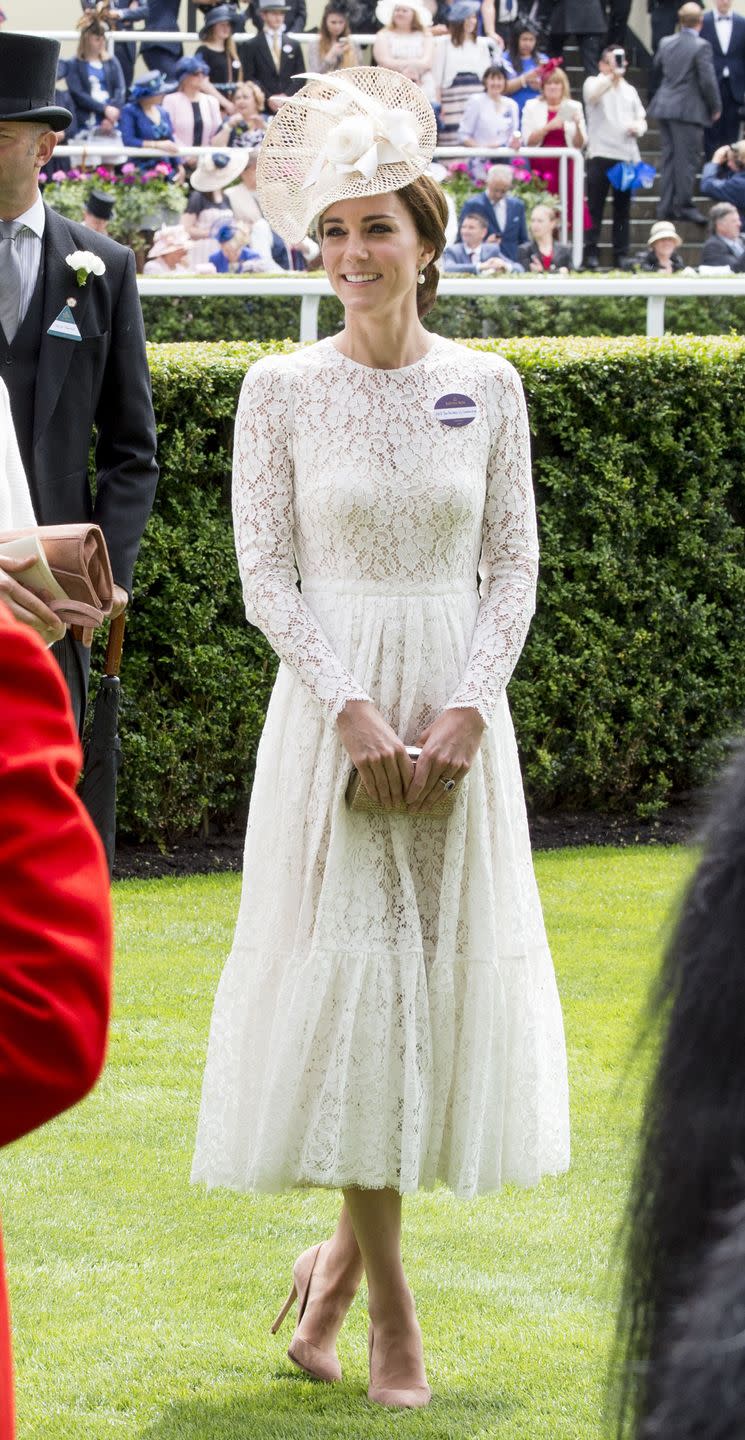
x=388 y=1015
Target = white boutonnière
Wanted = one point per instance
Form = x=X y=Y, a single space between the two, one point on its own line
x=85 y=263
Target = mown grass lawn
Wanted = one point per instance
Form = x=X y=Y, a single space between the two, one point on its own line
x=142 y=1304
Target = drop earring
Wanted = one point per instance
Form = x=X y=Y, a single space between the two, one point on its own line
x=420 y=278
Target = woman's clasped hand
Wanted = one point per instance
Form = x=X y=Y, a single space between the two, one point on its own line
x=448 y=748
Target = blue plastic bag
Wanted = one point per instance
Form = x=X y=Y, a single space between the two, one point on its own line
x=625 y=176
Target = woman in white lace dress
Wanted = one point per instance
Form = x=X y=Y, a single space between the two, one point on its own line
x=388 y=1017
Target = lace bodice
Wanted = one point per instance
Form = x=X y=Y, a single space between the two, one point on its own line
x=348 y=478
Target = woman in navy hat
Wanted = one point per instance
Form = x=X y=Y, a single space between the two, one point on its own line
x=219 y=53
x=234 y=255
x=144 y=120
x=195 y=113
x=95 y=81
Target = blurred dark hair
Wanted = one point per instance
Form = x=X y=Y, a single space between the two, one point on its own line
x=325 y=38
x=513 y=48
x=494 y=70
x=700 y=1383
x=691 y=1165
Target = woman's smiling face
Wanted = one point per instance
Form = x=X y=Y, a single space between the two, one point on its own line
x=553 y=93
x=372 y=251
x=495 y=86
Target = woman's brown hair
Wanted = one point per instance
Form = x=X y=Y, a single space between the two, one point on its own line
x=561 y=75
x=326 y=39
x=232 y=58
x=250 y=87
x=428 y=209
x=93 y=28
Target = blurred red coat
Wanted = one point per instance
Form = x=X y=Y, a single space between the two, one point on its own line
x=55 y=915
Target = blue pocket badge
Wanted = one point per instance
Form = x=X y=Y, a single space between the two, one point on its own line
x=64 y=327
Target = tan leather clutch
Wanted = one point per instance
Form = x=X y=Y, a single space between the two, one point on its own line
x=76 y=555
x=358 y=799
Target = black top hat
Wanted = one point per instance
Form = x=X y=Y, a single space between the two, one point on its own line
x=28 y=73
x=102 y=206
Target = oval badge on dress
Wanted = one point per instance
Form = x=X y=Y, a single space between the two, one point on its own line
x=455 y=410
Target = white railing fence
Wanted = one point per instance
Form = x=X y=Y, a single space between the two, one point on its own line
x=310 y=289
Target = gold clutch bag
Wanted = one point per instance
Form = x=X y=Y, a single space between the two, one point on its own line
x=359 y=800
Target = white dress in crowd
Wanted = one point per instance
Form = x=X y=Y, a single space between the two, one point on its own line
x=388 y=1015
x=16 y=510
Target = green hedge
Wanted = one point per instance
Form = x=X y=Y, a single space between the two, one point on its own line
x=634 y=671
x=263 y=317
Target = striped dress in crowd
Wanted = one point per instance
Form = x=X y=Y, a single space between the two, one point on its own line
x=458 y=70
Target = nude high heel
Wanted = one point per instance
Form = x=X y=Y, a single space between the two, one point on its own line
x=318 y=1363
x=403 y=1398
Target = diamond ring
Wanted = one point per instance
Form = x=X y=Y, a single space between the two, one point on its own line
x=447 y=784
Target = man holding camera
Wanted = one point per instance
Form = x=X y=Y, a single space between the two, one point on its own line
x=723 y=178
x=615 y=120
x=686 y=102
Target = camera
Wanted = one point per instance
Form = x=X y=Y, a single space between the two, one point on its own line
x=619 y=59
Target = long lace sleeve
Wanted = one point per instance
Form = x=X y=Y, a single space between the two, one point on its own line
x=508 y=568
x=263 y=521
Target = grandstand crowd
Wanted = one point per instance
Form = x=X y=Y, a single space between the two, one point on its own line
x=496 y=77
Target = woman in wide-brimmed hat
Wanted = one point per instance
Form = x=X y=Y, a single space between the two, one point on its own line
x=404 y=44
x=195 y=115
x=219 y=53
x=388 y=1017
x=144 y=120
x=662 y=247
x=169 y=252
x=208 y=205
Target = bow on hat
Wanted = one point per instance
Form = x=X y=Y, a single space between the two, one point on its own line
x=548 y=67
x=101 y=12
x=362 y=142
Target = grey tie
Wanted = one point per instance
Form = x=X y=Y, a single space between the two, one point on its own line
x=10 y=278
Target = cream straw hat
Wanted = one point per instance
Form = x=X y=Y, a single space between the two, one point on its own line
x=216 y=172
x=342 y=136
x=663 y=230
x=385 y=8
x=168 y=239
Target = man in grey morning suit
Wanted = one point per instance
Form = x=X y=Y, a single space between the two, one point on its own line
x=686 y=102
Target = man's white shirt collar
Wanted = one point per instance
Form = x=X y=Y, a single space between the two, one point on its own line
x=35 y=217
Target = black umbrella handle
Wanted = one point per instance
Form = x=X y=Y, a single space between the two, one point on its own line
x=115 y=645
